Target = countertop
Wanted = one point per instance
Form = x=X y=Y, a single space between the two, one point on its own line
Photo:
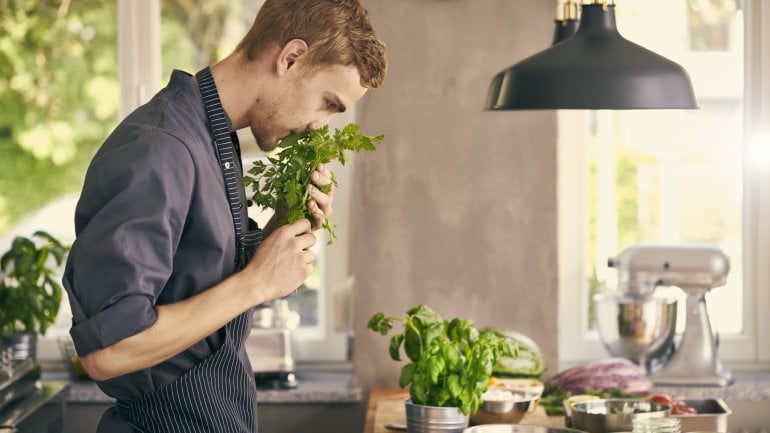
x=339 y=387
x=386 y=405
x=312 y=387
x=746 y=386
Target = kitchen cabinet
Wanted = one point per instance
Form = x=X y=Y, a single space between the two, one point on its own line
x=322 y=402
x=311 y=417
x=273 y=417
x=83 y=417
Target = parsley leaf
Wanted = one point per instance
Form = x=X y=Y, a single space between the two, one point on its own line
x=284 y=179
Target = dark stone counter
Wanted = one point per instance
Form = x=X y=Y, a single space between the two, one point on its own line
x=312 y=387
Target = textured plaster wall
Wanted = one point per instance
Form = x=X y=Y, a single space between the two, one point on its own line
x=457 y=209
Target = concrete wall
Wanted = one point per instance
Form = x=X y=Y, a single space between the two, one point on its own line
x=457 y=209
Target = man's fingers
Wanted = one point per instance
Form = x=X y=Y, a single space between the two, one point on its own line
x=306 y=240
x=320 y=202
x=309 y=257
x=299 y=227
x=322 y=178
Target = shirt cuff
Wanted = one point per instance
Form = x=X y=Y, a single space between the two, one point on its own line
x=129 y=316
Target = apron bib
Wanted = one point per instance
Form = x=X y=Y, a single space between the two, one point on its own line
x=218 y=394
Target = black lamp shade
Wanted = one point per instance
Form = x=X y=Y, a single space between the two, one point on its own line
x=594 y=69
x=563 y=30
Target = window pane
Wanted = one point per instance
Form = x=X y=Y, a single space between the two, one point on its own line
x=200 y=34
x=59 y=95
x=675 y=175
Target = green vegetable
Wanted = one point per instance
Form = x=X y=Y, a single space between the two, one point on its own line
x=528 y=364
x=450 y=362
x=286 y=176
x=553 y=397
x=552 y=400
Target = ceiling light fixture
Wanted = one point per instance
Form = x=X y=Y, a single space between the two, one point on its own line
x=594 y=69
x=566 y=22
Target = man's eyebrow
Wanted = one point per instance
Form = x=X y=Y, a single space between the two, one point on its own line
x=336 y=101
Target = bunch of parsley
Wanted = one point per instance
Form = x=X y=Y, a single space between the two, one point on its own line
x=450 y=361
x=286 y=175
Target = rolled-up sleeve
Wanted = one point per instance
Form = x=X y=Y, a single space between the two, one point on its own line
x=128 y=221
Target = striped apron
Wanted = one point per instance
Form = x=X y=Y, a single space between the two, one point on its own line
x=218 y=394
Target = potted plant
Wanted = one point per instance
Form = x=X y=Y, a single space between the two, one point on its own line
x=30 y=294
x=450 y=363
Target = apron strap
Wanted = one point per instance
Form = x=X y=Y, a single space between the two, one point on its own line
x=226 y=154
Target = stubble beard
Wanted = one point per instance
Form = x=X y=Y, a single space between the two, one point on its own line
x=264 y=143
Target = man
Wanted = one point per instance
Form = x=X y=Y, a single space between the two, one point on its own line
x=167 y=267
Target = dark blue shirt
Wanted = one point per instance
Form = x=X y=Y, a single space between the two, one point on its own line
x=153 y=227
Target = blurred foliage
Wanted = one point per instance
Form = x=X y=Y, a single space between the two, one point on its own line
x=193 y=31
x=59 y=88
x=708 y=23
x=59 y=97
x=632 y=224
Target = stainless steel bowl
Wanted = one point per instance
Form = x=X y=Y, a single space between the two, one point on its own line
x=641 y=330
x=505 y=411
x=518 y=428
x=613 y=414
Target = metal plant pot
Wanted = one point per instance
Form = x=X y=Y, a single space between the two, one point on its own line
x=23 y=346
x=433 y=419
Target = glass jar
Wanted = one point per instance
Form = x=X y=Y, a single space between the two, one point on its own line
x=656 y=425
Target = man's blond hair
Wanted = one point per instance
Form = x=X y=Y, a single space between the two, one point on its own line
x=337 y=32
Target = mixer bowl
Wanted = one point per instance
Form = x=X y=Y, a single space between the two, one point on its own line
x=641 y=330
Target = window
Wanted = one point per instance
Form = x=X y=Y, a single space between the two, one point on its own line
x=190 y=37
x=59 y=95
x=194 y=36
x=674 y=176
x=129 y=48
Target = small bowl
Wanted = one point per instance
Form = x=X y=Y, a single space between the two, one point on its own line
x=496 y=408
x=613 y=414
x=520 y=386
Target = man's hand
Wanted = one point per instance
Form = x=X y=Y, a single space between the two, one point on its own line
x=320 y=204
x=280 y=265
x=281 y=262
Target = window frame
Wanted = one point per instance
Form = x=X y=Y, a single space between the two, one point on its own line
x=749 y=350
x=139 y=74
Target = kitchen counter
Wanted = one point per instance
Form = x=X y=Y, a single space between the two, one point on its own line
x=312 y=387
x=387 y=405
x=338 y=387
x=325 y=401
x=746 y=397
x=751 y=386
x=316 y=387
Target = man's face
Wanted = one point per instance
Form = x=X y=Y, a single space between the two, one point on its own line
x=303 y=103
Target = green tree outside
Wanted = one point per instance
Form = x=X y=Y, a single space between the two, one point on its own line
x=58 y=96
x=59 y=88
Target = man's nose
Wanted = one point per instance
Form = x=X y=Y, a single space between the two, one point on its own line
x=319 y=123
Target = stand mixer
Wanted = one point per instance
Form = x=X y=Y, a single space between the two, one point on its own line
x=268 y=346
x=640 y=326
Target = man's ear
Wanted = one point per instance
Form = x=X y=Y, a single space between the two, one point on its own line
x=289 y=54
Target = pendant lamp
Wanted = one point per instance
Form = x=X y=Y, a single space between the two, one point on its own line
x=566 y=22
x=594 y=69
x=565 y=25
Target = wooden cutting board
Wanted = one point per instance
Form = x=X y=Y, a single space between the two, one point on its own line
x=387 y=405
